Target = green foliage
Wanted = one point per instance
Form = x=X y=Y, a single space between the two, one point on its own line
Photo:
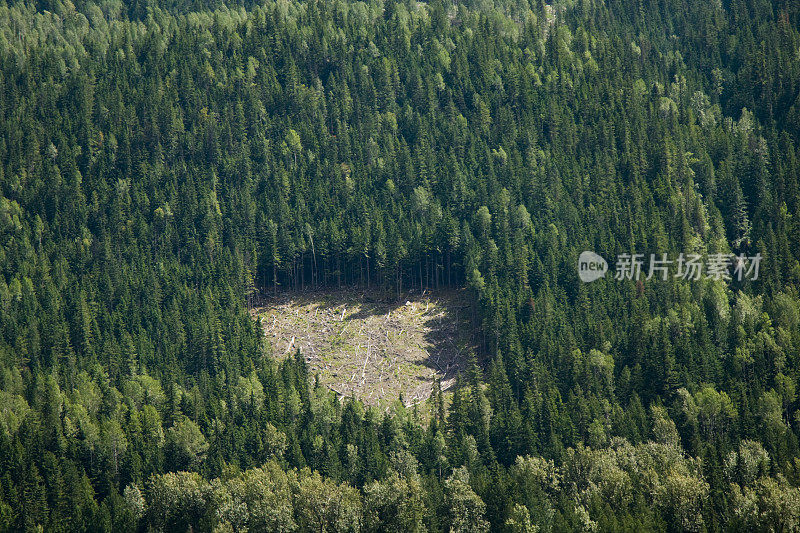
x=164 y=164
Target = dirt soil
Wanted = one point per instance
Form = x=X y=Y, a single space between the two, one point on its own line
x=374 y=349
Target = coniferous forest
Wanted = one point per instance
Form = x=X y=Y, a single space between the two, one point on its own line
x=164 y=164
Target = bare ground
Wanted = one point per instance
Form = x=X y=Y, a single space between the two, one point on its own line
x=374 y=349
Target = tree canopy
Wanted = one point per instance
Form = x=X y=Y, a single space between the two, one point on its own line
x=163 y=164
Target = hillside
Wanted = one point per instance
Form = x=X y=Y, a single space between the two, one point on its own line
x=167 y=166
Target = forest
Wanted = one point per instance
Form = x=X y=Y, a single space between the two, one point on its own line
x=165 y=164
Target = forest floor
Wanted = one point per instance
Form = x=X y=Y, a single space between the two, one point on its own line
x=377 y=350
